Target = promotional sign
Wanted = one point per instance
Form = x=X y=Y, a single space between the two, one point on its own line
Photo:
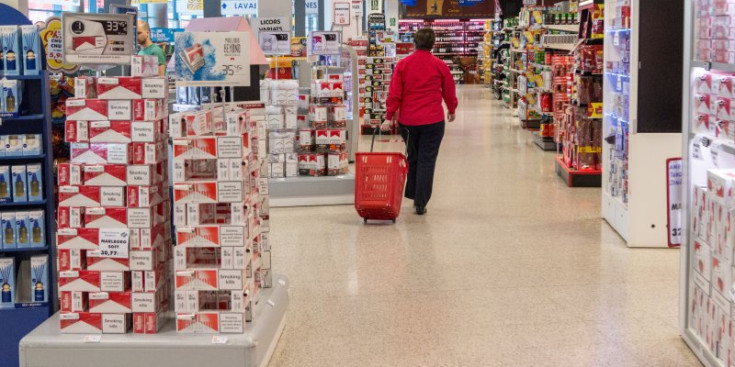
x=276 y=24
x=213 y=58
x=247 y=8
x=164 y=35
x=357 y=7
x=53 y=44
x=115 y=243
x=341 y=15
x=674 y=176
x=312 y=7
x=106 y=39
x=324 y=43
x=275 y=43
x=376 y=6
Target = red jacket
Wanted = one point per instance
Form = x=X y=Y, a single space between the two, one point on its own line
x=419 y=83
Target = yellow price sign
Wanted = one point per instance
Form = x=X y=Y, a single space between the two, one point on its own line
x=594 y=110
x=589 y=150
x=53 y=44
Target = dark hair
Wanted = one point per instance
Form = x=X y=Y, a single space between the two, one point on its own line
x=424 y=39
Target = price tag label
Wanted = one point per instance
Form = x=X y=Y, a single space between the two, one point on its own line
x=114 y=242
x=92 y=338
x=217 y=339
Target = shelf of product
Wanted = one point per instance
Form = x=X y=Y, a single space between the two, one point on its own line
x=378 y=71
x=27 y=200
x=707 y=184
x=114 y=238
x=640 y=125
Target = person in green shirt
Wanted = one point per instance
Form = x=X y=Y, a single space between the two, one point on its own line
x=147 y=47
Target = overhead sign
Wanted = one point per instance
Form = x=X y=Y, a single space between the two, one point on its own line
x=376 y=6
x=164 y=35
x=272 y=24
x=324 y=43
x=53 y=44
x=312 y=7
x=122 y=9
x=212 y=58
x=674 y=182
x=341 y=13
x=240 y=7
x=275 y=43
x=357 y=7
x=107 y=39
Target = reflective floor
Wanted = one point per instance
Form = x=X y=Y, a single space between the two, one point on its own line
x=509 y=268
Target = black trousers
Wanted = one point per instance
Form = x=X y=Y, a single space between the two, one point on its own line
x=422 y=146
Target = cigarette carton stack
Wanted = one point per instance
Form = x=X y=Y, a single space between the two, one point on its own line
x=114 y=237
x=282 y=122
x=378 y=71
x=322 y=146
x=221 y=256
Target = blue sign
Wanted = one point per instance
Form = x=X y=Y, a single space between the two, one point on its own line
x=410 y=2
x=122 y=9
x=164 y=35
x=470 y=2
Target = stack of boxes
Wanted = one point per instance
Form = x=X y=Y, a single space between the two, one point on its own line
x=20 y=54
x=282 y=122
x=114 y=230
x=378 y=71
x=361 y=48
x=714 y=28
x=222 y=256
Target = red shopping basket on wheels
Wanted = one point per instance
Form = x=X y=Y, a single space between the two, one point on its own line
x=379 y=181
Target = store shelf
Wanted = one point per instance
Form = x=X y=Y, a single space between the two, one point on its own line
x=574 y=178
x=545 y=143
x=22 y=205
x=309 y=191
x=34 y=117
x=23 y=77
x=26 y=158
x=563 y=27
x=23 y=250
x=561 y=46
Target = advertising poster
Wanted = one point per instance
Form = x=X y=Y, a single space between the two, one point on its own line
x=212 y=58
x=53 y=44
x=324 y=43
x=107 y=39
x=275 y=43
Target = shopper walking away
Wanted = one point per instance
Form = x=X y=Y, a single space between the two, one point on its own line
x=420 y=82
x=147 y=47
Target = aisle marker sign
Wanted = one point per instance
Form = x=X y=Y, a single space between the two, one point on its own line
x=341 y=13
x=272 y=24
x=674 y=177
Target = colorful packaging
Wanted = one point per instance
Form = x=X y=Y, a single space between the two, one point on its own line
x=20 y=184
x=32 y=56
x=35 y=182
x=39 y=278
x=7 y=282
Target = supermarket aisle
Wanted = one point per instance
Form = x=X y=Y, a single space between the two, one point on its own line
x=509 y=268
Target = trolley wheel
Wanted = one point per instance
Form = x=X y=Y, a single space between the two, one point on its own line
x=394 y=221
x=364 y=220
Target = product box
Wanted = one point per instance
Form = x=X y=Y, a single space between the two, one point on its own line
x=144 y=196
x=144 y=66
x=120 y=87
x=32 y=56
x=34 y=173
x=20 y=184
x=76 y=131
x=37 y=229
x=149 y=109
x=22 y=225
x=5 y=185
x=72 y=259
x=85 y=87
x=79 y=280
x=199 y=279
x=109 y=132
x=74 y=301
x=69 y=174
x=12 y=97
x=7 y=282
x=11 y=44
x=703 y=259
x=94 y=323
x=10 y=230
x=101 y=153
x=98 y=109
x=14 y=146
x=106 y=217
x=39 y=278
x=105 y=175
x=149 y=153
x=155 y=88
x=110 y=302
x=31 y=144
x=720 y=185
x=146 y=131
x=91 y=196
x=97 y=262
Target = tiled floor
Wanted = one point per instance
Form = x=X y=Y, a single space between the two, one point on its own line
x=509 y=268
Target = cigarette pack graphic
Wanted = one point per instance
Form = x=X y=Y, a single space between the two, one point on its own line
x=88 y=44
x=193 y=57
x=110 y=302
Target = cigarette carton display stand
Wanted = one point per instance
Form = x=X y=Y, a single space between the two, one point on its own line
x=23 y=309
x=45 y=346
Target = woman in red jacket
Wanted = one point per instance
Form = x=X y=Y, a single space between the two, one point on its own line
x=419 y=84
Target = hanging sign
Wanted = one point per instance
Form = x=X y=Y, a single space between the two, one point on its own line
x=190 y=7
x=324 y=43
x=357 y=8
x=275 y=43
x=341 y=13
x=312 y=7
x=376 y=6
x=53 y=44
x=674 y=177
x=107 y=39
x=212 y=58
x=164 y=35
x=273 y=24
x=241 y=7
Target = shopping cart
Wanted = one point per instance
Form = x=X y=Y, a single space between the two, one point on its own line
x=379 y=182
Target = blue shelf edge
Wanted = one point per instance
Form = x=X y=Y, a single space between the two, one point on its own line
x=32 y=117
x=22 y=204
x=22 y=157
x=24 y=249
x=22 y=77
